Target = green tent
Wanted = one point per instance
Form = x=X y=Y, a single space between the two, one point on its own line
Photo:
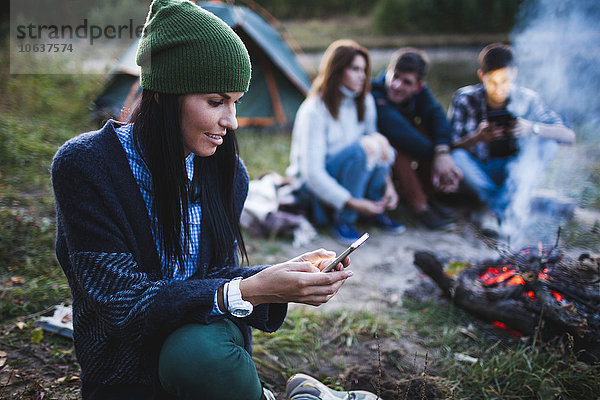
x=279 y=83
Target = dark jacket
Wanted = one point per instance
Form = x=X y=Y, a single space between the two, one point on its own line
x=122 y=308
x=402 y=123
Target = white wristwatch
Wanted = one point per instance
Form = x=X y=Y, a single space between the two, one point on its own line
x=236 y=306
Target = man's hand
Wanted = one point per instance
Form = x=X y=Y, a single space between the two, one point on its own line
x=521 y=127
x=445 y=174
x=558 y=132
x=487 y=131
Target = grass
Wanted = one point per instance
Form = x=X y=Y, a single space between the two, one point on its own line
x=505 y=366
x=511 y=368
x=39 y=113
x=309 y=341
x=274 y=151
x=32 y=279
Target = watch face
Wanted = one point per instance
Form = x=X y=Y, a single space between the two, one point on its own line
x=241 y=312
x=237 y=306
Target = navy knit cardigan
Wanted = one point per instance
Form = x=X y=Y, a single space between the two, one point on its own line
x=122 y=308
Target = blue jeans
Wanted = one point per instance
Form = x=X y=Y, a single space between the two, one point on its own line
x=349 y=168
x=497 y=181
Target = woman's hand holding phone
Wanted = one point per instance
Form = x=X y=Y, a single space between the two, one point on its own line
x=298 y=280
x=346 y=253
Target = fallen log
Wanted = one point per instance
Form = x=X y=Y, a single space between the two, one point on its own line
x=531 y=289
x=472 y=298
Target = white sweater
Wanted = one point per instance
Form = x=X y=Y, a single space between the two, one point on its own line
x=317 y=135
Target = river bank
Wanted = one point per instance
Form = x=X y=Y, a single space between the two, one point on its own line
x=315 y=35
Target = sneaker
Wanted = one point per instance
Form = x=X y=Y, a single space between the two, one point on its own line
x=433 y=221
x=442 y=211
x=267 y=394
x=304 y=387
x=387 y=224
x=345 y=233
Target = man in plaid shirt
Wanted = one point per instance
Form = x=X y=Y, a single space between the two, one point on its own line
x=500 y=131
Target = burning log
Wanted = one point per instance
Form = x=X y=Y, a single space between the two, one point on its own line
x=532 y=288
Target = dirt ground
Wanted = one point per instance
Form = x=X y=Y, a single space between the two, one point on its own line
x=383 y=267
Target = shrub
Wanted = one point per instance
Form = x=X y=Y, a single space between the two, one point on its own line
x=293 y=9
x=456 y=16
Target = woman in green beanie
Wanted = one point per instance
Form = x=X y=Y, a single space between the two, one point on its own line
x=148 y=229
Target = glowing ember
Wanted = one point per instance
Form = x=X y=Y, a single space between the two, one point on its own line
x=530 y=294
x=516 y=280
x=503 y=274
x=557 y=296
x=503 y=326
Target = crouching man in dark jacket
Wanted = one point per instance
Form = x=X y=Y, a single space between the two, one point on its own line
x=416 y=125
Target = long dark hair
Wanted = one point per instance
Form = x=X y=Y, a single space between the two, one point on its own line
x=339 y=56
x=157 y=136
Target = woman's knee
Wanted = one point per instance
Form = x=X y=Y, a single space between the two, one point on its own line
x=208 y=360
x=377 y=149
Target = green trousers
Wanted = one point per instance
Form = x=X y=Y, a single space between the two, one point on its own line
x=208 y=362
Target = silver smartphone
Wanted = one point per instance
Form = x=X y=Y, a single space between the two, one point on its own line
x=346 y=252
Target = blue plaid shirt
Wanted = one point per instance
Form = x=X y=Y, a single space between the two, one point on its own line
x=144 y=181
x=468 y=108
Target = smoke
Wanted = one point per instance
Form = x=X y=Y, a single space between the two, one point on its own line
x=556 y=44
x=529 y=218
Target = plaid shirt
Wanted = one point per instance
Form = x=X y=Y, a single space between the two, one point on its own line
x=144 y=181
x=468 y=108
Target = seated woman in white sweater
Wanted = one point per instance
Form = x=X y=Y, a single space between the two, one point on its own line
x=340 y=159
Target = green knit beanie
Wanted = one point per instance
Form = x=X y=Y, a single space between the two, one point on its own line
x=186 y=49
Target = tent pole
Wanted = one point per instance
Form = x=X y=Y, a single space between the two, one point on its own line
x=273 y=91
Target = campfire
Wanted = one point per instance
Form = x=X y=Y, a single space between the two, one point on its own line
x=533 y=290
